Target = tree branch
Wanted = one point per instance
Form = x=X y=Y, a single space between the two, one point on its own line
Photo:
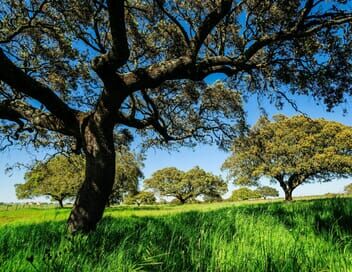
x=186 y=67
x=208 y=24
x=17 y=111
x=27 y=26
x=120 y=52
x=175 y=21
x=22 y=83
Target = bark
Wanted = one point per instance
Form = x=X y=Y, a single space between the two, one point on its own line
x=94 y=193
x=61 y=204
x=288 y=194
x=182 y=201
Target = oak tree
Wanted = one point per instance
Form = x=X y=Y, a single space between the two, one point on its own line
x=71 y=71
x=244 y=193
x=185 y=186
x=291 y=151
x=59 y=178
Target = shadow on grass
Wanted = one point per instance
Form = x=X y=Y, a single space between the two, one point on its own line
x=142 y=240
x=329 y=218
x=164 y=243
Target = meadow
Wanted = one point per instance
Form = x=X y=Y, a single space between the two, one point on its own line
x=309 y=235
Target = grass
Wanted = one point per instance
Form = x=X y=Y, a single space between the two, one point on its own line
x=313 y=235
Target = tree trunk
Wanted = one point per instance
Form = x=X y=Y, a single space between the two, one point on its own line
x=288 y=195
x=94 y=193
x=61 y=204
x=288 y=189
x=182 y=201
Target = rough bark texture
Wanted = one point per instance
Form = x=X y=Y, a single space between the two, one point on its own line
x=99 y=178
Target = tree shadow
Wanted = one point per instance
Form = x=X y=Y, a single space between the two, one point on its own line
x=164 y=243
x=143 y=240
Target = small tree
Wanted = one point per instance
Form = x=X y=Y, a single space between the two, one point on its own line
x=60 y=178
x=267 y=191
x=348 y=189
x=244 y=194
x=185 y=185
x=291 y=151
x=143 y=197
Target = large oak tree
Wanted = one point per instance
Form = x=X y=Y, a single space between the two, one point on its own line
x=74 y=70
x=291 y=151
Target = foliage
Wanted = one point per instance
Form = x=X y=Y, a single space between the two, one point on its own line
x=128 y=173
x=266 y=191
x=244 y=194
x=348 y=189
x=143 y=197
x=59 y=177
x=186 y=185
x=291 y=151
x=265 y=237
x=212 y=198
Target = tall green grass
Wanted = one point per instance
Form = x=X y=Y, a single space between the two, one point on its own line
x=300 y=236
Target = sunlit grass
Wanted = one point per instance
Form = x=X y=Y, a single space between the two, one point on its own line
x=14 y=215
x=313 y=235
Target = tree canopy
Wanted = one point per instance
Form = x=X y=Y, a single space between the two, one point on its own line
x=128 y=173
x=291 y=151
x=60 y=177
x=244 y=193
x=72 y=71
x=185 y=186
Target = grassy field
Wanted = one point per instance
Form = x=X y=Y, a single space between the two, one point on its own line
x=313 y=235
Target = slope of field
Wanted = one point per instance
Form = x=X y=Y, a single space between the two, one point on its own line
x=311 y=235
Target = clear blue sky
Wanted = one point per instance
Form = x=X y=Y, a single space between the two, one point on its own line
x=207 y=157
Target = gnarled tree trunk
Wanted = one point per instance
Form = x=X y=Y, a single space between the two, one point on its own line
x=94 y=193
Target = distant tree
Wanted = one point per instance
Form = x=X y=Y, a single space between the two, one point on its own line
x=60 y=178
x=291 y=151
x=128 y=173
x=244 y=194
x=266 y=191
x=143 y=197
x=185 y=185
x=212 y=198
x=348 y=189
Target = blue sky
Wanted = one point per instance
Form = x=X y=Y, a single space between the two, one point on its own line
x=207 y=157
